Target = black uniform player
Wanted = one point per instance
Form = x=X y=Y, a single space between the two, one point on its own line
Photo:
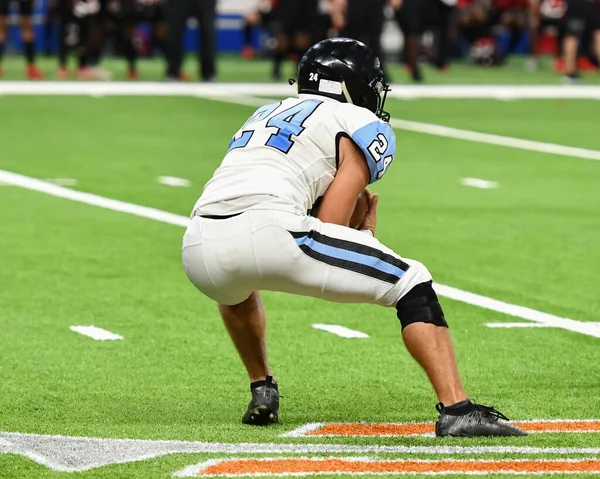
x=416 y=16
x=297 y=20
x=25 y=8
x=264 y=16
x=582 y=16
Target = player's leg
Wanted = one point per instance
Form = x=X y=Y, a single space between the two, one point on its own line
x=3 y=28
x=246 y=323
x=208 y=36
x=176 y=14
x=344 y=265
x=353 y=267
x=28 y=38
x=575 y=24
x=410 y=20
x=218 y=259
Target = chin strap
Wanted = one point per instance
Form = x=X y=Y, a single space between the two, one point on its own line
x=346 y=93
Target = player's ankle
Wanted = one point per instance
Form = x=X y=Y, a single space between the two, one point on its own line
x=459 y=408
x=257 y=383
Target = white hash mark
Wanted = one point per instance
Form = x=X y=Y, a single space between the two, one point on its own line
x=517 y=325
x=479 y=183
x=341 y=331
x=98 y=334
x=173 y=181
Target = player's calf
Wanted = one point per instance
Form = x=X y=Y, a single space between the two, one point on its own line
x=427 y=340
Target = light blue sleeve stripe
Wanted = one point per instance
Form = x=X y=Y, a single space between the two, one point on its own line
x=347 y=255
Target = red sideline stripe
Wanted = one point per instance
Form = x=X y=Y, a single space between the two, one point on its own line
x=295 y=466
x=419 y=429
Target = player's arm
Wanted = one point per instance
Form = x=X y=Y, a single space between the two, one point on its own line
x=351 y=179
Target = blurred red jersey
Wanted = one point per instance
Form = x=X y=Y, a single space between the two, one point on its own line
x=509 y=4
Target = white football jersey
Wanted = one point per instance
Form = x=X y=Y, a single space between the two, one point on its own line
x=285 y=158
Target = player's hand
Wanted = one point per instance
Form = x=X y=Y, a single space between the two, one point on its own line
x=370 y=222
x=395 y=4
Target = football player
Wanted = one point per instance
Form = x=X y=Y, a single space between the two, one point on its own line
x=249 y=230
x=27 y=35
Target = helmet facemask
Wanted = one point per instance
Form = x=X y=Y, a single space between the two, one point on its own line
x=372 y=97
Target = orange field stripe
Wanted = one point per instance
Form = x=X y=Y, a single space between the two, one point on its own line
x=297 y=466
x=420 y=429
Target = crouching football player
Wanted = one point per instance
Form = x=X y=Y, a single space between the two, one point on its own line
x=250 y=231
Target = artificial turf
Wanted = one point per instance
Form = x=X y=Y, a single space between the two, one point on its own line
x=176 y=375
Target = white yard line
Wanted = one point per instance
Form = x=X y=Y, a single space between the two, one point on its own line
x=71 y=454
x=440 y=130
x=98 y=334
x=498 y=92
x=241 y=94
x=507 y=141
x=517 y=325
x=90 y=199
x=341 y=331
x=589 y=329
x=479 y=183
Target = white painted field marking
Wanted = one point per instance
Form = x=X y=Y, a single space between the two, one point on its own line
x=62 y=181
x=498 y=92
x=173 y=181
x=479 y=183
x=241 y=94
x=341 y=331
x=582 y=327
x=98 y=334
x=456 y=294
x=305 y=430
x=91 y=199
x=517 y=325
x=72 y=454
x=510 y=142
x=444 y=131
x=56 y=181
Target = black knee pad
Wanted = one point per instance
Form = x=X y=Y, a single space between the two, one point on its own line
x=420 y=305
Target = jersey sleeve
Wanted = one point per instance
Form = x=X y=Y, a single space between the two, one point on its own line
x=374 y=137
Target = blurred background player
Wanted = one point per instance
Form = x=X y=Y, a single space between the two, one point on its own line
x=509 y=17
x=25 y=9
x=177 y=13
x=260 y=15
x=547 y=15
x=297 y=20
x=361 y=20
x=582 y=16
x=73 y=23
x=414 y=18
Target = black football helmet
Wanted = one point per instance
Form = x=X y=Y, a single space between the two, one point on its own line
x=346 y=70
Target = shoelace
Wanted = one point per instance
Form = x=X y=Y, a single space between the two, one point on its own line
x=490 y=411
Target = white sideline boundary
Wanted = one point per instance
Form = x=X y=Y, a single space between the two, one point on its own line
x=498 y=92
x=242 y=94
x=26 y=182
x=76 y=454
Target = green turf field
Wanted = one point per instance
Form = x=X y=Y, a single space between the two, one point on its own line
x=532 y=242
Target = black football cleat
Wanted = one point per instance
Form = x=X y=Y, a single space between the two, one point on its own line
x=476 y=421
x=264 y=406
